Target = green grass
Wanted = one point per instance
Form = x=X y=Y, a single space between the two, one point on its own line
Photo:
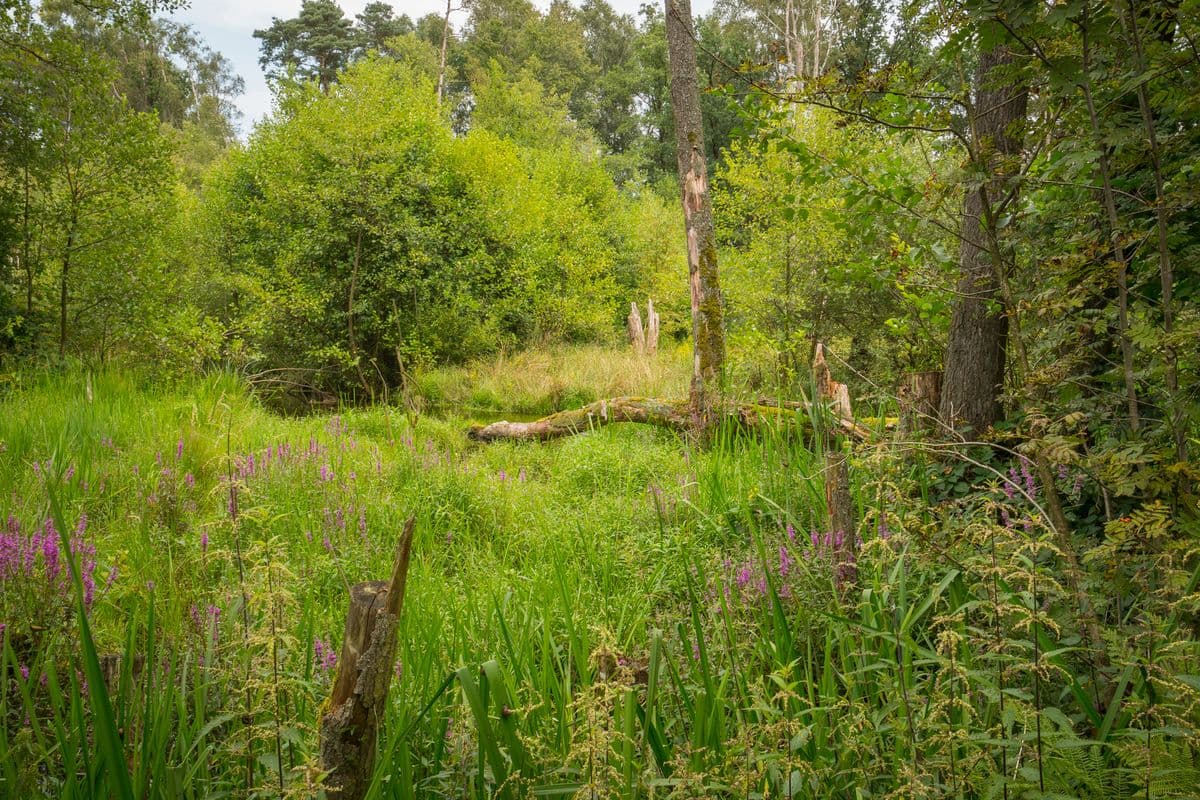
x=615 y=614
x=536 y=382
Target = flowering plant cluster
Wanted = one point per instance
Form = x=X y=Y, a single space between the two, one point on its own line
x=35 y=578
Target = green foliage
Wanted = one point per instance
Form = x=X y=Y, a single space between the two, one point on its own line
x=358 y=238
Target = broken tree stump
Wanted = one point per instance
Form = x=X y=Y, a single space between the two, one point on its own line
x=349 y=724
x=637 y=335
x=651 y=327
x=920 y=396
x=837 y=471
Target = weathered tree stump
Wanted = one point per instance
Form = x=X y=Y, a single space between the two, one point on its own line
x=349 y=725
x=837 y=472
x=651 y=327
x=637 y=334
x=920 y=395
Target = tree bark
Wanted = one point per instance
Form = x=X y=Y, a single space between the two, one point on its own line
x=920 y=395
x=974 y=374
x=349 y=725
x=708 y=337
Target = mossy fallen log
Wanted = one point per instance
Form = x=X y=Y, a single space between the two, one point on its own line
x=670 y=414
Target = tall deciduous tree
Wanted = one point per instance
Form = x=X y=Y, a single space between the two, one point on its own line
x=975 y=354
x=708 y=336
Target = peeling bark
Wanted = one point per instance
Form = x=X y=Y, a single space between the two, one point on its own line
x=708 y=337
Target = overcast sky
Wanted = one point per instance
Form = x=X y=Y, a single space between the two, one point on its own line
x=229 y=25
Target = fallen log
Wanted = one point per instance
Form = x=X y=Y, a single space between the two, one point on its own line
x=670 y=414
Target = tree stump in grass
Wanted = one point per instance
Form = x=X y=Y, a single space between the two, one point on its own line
x=637 y=335
x=837 y=472
x=349 y=725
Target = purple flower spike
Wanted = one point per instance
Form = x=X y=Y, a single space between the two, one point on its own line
x=179 y=450
x=785 y=561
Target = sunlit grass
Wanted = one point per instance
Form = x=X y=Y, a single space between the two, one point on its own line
x=615 y=614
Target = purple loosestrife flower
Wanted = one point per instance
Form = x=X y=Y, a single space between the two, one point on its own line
x=502 y=476
x=1030 y=484
x=324 y=654
x=179 y=450
x=70 y=473
x=50 y=558
x=785 y=561
x=190 y=480
x=743 y=576
x=791 y=532
x=203 y=541
x=1010 y=484
x=326 y=473
x=112 y=577
x=327 y=544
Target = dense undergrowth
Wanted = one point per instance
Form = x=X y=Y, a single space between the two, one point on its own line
x=612 y=615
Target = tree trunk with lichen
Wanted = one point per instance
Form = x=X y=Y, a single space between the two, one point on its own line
x=349 y=724
x=708 y=336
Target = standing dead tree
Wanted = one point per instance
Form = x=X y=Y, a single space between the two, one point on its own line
x=349 y=726
x=637 y=334
x=708 y=335
x=836 y=396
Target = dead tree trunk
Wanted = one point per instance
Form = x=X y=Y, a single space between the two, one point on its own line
x=637 y=334
x=837 y=472
x=350 y=724
x=708 y=337
x=651 y=328
x=974 y=375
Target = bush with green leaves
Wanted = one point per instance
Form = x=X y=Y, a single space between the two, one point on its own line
x=357 y=236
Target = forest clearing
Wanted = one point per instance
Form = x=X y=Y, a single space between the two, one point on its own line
x=522 y=400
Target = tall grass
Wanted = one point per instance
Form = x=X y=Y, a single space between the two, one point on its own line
x=536 y=382
x=612 y=615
